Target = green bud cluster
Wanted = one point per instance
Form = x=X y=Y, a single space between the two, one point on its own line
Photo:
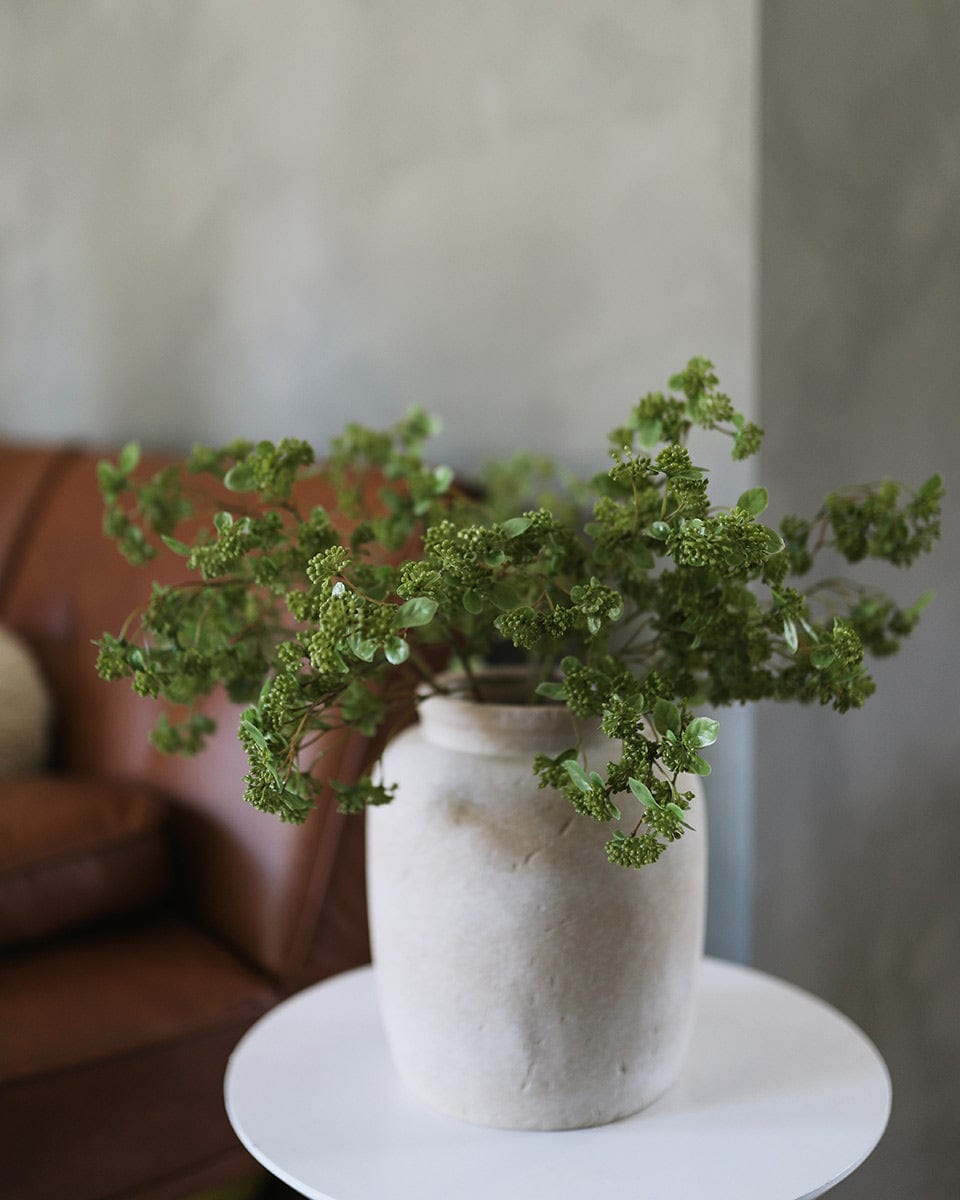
x=660 y=417
x=746 y=439
x=223 y=555
x=594 y=803
x=268 y=468
x=637 y=850
x=530 y=630
x=188 y=737
x=598 y=603
x=674 y=461
x=353 y=798
x=623 y=717
x=872 y=523
x=323 y=566
x=421 y=579
x=465 y=553
x=631 y=470
x=729 y=542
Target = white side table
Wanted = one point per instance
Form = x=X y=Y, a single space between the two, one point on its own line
x=781 y=1098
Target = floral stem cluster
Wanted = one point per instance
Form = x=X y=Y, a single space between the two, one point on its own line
x=634 y=601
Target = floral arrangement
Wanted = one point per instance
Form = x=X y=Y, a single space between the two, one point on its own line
x=630 y=597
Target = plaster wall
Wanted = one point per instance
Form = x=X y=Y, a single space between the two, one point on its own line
x=232 y=218
x=225 y=216
x=858 y=821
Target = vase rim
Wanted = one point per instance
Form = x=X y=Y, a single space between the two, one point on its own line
x=495 y=723
x=502 y=682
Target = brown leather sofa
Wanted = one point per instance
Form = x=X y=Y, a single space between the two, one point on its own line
x=114 y=1034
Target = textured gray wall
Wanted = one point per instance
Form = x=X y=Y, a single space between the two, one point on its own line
x=858 y=820
x=233 y=217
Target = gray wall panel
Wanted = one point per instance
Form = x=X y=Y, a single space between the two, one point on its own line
x=858 y=821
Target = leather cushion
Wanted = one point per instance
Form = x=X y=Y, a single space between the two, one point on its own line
x=76 y=850
x=113 y=1045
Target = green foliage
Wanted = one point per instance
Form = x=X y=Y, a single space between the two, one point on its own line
x=634 y=600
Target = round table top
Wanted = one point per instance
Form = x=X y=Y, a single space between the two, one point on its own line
x=781 y=1097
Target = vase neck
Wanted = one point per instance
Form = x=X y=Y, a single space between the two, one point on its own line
x=460 y=723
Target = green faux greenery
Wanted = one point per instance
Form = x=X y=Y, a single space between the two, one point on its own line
x=649 y=607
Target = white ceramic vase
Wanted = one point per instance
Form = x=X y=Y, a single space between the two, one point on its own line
x=524 y=981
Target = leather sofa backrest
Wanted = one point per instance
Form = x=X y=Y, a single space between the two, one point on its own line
x=256 y=882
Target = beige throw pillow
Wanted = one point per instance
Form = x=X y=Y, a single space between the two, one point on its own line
x=24 y=708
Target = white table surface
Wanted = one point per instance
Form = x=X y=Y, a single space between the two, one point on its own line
x=781 y=1098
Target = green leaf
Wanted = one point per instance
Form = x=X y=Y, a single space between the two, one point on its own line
x=698 y=765
x=418 y=611
x=552 y=691
x=577 y=774
x=754 y=501
x=918 y=606
x=222 y=521
x=129 y=457
x=605 y=486
x=248 y=721
x=240 y=478
x=649 y=432
x=504 y=597
x=931 y=489
x=702 y=731
x=107 y=474
x=442 y=478
x=472 y=601
x=775 y=542
x=659 y=530
x=396 y=650
x=515 y=526
x=666 y=716
x=676 y=811
x=642 y=793
x=175 y=545
x=790 y=634
x=822 y=657
x=363 y=648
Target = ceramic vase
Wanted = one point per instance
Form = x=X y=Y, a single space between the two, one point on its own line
x=524 y=981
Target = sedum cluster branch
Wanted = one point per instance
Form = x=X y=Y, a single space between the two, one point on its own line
x=633 y=599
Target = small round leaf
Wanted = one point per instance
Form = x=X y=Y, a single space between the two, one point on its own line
x=418 y=611
x=397 y=651
x=754 y=501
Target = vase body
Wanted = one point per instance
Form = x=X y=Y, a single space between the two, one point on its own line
x=524 y=981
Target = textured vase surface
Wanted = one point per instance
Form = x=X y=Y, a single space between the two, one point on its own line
x=524 y=981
